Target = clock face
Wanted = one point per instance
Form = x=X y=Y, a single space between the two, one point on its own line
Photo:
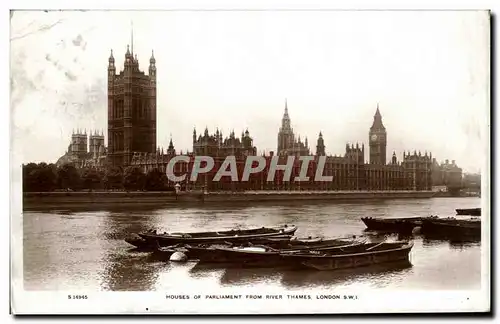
x=374 y=137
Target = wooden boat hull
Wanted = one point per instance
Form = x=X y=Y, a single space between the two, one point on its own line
x=469 y=211
x=395 y=225
x=266 y=254
x=354 y=255
x=150 y=245
x=336 y=262
x=451 y=229
x=145 y=240
x=208 y=253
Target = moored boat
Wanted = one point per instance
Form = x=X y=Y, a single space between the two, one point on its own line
x=353 y=257
x=261 y=256
x=392 y=225
x=340 y=257
x=209 y=252
x=152 y=239
x=451 y=228
x=469 y=211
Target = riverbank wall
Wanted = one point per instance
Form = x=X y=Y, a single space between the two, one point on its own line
x=96 y=199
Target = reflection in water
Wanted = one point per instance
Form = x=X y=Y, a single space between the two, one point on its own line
x=244 y=277
x=300 y=278
x=431 y=242
x=383 y=274
x=131 y=271
x=454 y=244
x=86 y=250
x=465 y=244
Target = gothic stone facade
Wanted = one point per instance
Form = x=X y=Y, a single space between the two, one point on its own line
x=131 y=110
x=287 y=144
x=446 y=174
x=349 y=171
x=85 y=150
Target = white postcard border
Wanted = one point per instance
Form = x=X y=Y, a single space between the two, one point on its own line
x=26 y=302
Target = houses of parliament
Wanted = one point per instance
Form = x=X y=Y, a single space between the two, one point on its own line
x=131 y=136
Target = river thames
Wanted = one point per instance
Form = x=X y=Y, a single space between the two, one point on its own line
x=85 y=250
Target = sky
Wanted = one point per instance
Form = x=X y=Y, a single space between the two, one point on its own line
x=428 y=72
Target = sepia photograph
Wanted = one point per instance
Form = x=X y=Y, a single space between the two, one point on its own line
x=250 y=161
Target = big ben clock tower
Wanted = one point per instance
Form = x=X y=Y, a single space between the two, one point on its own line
x=378 y=140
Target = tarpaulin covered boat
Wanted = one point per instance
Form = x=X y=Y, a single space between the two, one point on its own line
x=469 y=211
x=259 y=255
x=451 y=228
x=340 y=257
x=208 y=252
x=394 y=225
x=154 y=239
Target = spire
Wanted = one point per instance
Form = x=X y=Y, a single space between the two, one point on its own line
x=127 y=54
x=285 y=121
x=132 y=35
x=111 y=59
x=377 y=120
x=170 y=144
x=152 y=60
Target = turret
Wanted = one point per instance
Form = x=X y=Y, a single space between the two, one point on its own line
x=171 y=149
x=152 y=65
x=320 y=147
x=377 y=140
x=111 y=61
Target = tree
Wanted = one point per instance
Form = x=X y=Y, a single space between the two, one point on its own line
x=29 y=177
x=155 y=180
x=46 y=177
x=68 y=177
x=43 y=177
x=91 y=179
x=133 y=178
x=113 y=178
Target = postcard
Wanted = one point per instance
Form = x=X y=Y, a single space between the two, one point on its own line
x=250 y=161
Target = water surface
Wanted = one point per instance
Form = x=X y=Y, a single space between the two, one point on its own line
x=67 y=250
